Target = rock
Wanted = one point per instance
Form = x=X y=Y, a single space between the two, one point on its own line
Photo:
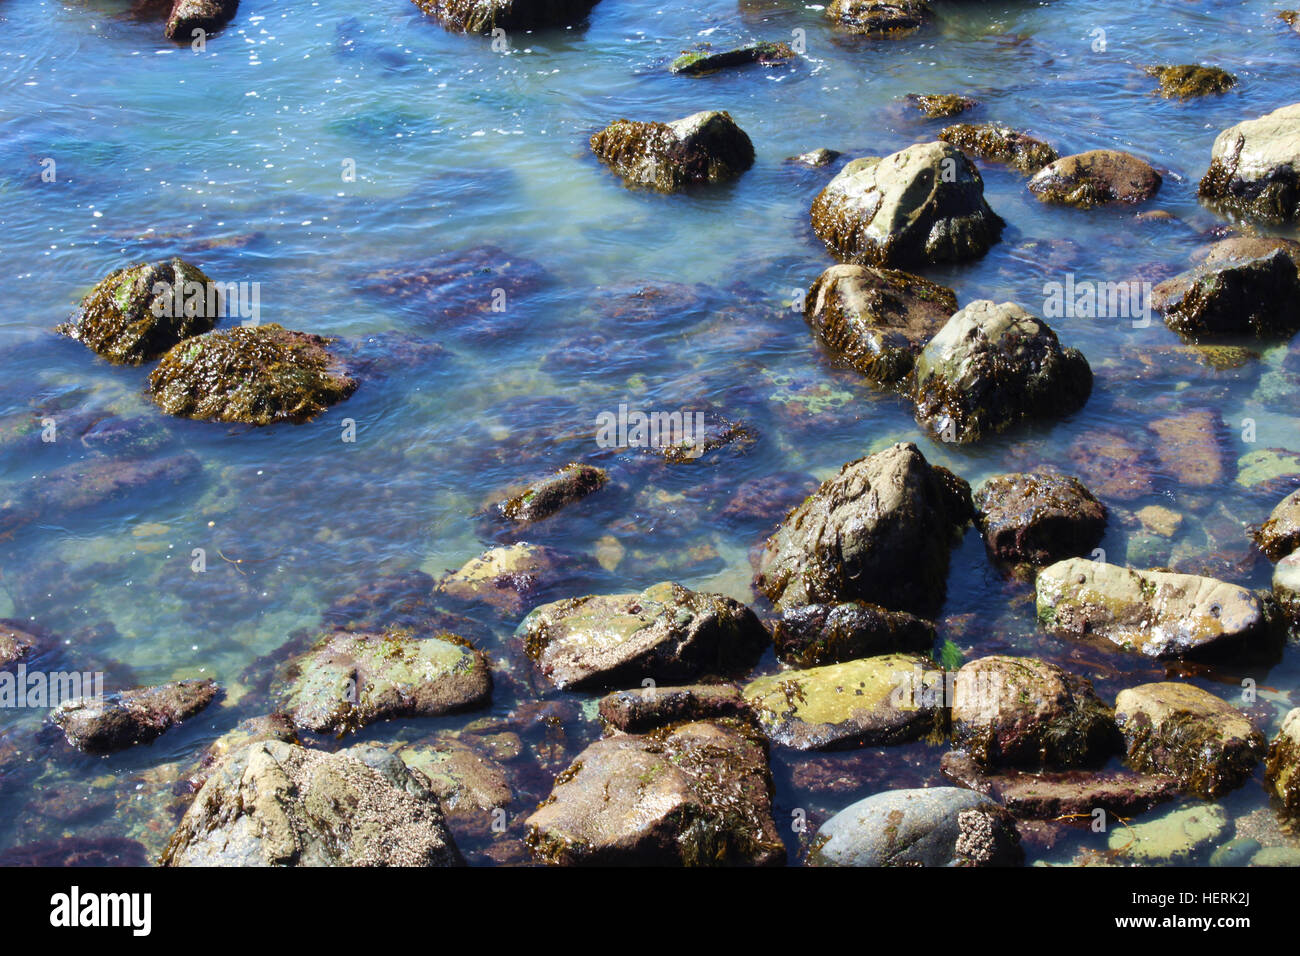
x=1282 y=772
x=878 y=17
x=1068 y=793
x=941 y=105
x=349 y=680
x=16 y=643
x=636 y=711
x=816 y=634
x=1187 y=81
x=189 y=15
x=1286 y=585
x=1155 y=613
x=1236 y=852
x=512 y=578
x=876 y=320
x=1038 y=518
x=1276 y=856
x=134 y=315
x=1180 y=836
x=1291 y=18
x=1096 y=178
x=879 y=531
x=704 y=60
x=934 y=826
x=465 y=778
x=1112 y=465
x=482 y=16
x=1244 y=287
x=1268 y=466
x=1000 y=144
x=816 y=158
x=102 y=725
x=257 y=375
x=1255 y=167
x=875 y=701
x=1017 y=711
x=1280 y=534
x=544 y=498
x=1206 y=744
x=919 y=206
x=692 y=794
x=272 y=803
x=1189 y=448
x=705 y=147
x=1160 y=520
x=251 y=731
x=665 y=633
x=993 y=366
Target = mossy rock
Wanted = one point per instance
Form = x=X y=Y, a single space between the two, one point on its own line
x=483 y=16
x=1100 y=177
x=816 y=634
x=257 y=375
x=941 y=105
x=544 y=498
x=705 y=60
x=1180 y=836
x=1186 y=81
x=878 y=17
x=189 y=15
x=1244 y=287
x=1255 y=167
x=1282 y=772
x=1286 y=586
x=1000 y=144
x=705 y=147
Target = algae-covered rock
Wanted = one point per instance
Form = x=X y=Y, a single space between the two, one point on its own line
x=1000 y=144
x=921 y=205
x=1255 y=167
x=513 y=578
x=993 y=366
x=1190 y=447
x=664 y=633
x=482 y=16
x=1265 y=467
x=1282 y=772
x=545 y=497
x=692 y=794
x=257 y=375
x=1038 y=518
x=189 y=15
x=1286 y=585
x=941 y=105
x=1287 y=856
x=815 y=634
x=466 y=778
x=349 y=679
x=876 y=320
x=876 y=701
x=273 y=803
x=1156 y=613
x=1186 y=80
x=878 y=17
x=636 y=711
x=707 y=60
x=705 y=147
x=1205 y=743
x=137 y=313
x=1178 y=837
x=1280 y=534
x=879 y=531
x=1244 y=286
x=1100 y=177
x=101 y=725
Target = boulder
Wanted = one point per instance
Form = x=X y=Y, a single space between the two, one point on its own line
x=1100 y=177
x=919 y=206
x=1187 y=80
x=705 y=147
x=1038 y=518
x=511 y=578
x=636 y=711
x=1244 y=287
x=483 y=16
x=1181 y=731
x=1282 y=772
x=816 y=158
x=707 y=60
x=102 y=725
x=189 y=15
x=815 y=634
x=1255 y=167
x=545 y=497
x=692 y=794
x=878 y=17
x=664 y=633
x=941 y=105
x=994 y=366
x=1280 y=534
x=879 y=531
x=996 y=143
x=273 y=803
x=1156 y=613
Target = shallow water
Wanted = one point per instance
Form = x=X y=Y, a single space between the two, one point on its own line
x=235 y=157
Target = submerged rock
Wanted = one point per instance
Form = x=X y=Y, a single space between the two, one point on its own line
x=189 y=15
x=876 y=320
x=1282 y=772
x=693 y=794
x=257 y=375
x=993 y=366
x=137 y=313
x=876 y=701
x=921 y=205
x=102 y=725
x=1178 y=837
x=832 y=633
x=544 y=498
x=1000 y=144
x=816 y=158
x=1245 y=286
x=512 y=578
x=17 y=643
x=1179 y=730
x=1189 y=448
x=1038 y=518
x=705 y=147
x=1096 y=178
x=1255 y=167
x=636 y=711
x=272 y=803
x=878 y=17
x=1186 y=81
x=706 y=60
x=482 y=16
x=1280 y=534
x=1155 y=613
x=665 y=633
x=1112 y=464
x=879 y=531
x=941 y=105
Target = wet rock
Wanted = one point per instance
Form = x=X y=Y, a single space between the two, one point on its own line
x=135 y=314
x=1018 y=711
x=1244 y=287
x=879 y=531
x=1096 y=178
x=1068 y=793
x=816 y=158
x=1236 y=852
x=1255 y=167
x=512 y=578
x=1186 y=81
x=257 y=375
x=705 y=147
x=1179 y=730
x=482 y=16
x=272 y=803
x=464 y=776
x=101 y=725
x=1113 y=466
x=692 y=794
x=251 y=731
x=1291 y=18
x=665 y=633
x=996 y=143
x=878 y=17
x=1190 y=448
x=544 y=498
x=1286 y=585
x=876 y=701
x=636 y=711
x=1178 y=837
x=207 y=15
x=816 y=634
x=349 y=679
x=1155 y=613
x=1038 y=518
x=877 y=320
x=993 y=366
x=1282 y=772
x=1280 y=534
x=934 y=826
x=706 y=60
x=921 y=205
x=941 y=105
x=18 y=644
